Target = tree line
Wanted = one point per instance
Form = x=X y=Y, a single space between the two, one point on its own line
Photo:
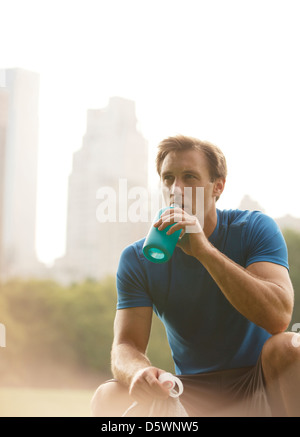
x=49 y=325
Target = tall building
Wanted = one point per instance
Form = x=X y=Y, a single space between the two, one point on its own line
x=113 y=150
x=19 y=102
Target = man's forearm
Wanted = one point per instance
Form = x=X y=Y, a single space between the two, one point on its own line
x=126 y=360
x=259 y=300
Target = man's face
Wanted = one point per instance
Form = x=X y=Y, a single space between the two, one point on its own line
x=184 y=169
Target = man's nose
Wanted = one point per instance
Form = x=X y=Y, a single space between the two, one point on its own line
x=177 y=188
x=176 y=193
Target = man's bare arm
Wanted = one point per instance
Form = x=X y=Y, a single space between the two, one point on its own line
x=263 y=292
x=131 y=335
x=130 y=365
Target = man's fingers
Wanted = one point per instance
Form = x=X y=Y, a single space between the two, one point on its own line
x=147 y=387
x=155 y=388
x=168 y=220
x=170 y=215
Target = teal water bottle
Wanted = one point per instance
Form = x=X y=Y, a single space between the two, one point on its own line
x=159 y=246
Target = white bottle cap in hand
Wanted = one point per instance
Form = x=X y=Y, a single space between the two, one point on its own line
x=173 y=381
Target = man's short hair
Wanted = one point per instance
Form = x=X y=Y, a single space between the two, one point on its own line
x=214 y=156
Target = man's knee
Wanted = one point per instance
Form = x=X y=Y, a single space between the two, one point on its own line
x=111 y=399
x=281 y=352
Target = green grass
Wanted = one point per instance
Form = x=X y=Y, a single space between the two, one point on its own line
x=25 y=402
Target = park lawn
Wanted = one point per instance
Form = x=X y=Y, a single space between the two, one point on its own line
x=28 y=402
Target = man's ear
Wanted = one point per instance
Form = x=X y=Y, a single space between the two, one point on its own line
x=219 y=186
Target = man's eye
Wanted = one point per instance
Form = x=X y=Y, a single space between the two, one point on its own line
x=188 y=176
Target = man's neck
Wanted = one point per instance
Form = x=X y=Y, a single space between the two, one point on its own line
x=210 y=222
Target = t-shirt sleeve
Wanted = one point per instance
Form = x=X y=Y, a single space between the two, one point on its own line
x=264 y=241
x=131 y=281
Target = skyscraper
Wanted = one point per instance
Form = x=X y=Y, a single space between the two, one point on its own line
x=19 y=102
x=112 y=150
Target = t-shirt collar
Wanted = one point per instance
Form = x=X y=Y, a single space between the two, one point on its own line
x=213 y=237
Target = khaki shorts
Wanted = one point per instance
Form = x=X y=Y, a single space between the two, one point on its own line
x=233 y=392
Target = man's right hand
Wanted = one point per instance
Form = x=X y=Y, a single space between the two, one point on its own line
x=145 y=385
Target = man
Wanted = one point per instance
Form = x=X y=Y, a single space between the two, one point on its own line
x=225 y=298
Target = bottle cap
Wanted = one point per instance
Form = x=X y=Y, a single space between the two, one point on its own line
x=173 y=380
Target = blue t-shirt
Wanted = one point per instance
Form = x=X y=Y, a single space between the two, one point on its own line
x=205 y=332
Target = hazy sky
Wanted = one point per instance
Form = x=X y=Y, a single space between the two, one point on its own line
x=226 y=70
